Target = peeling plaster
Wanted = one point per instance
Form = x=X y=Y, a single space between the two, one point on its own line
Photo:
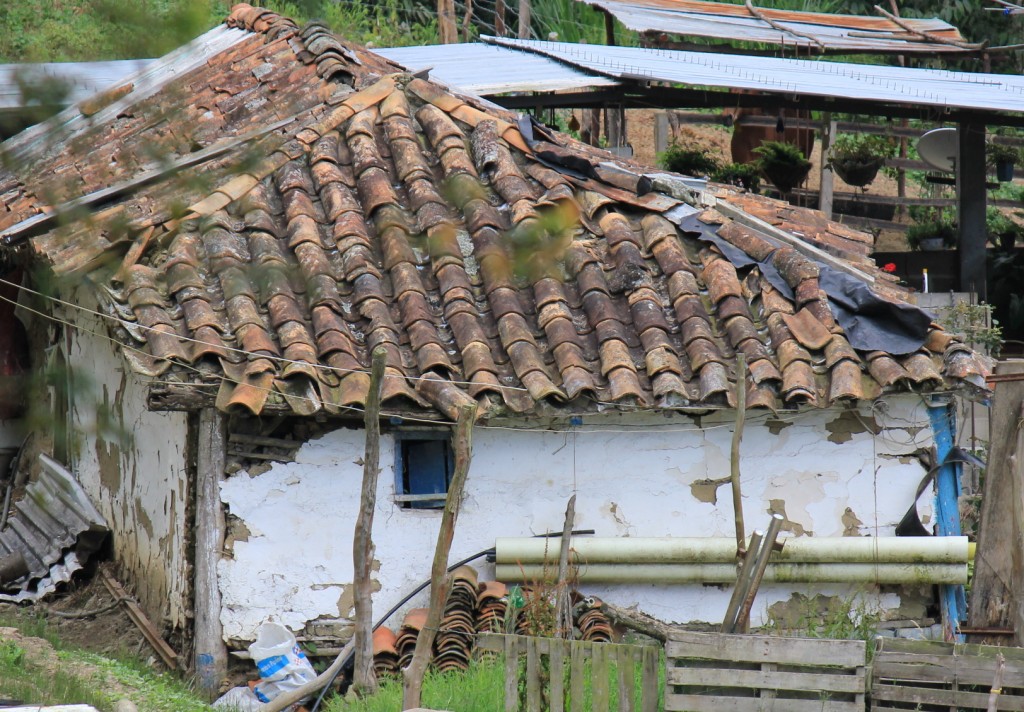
x=296 y=564
x=136 y=475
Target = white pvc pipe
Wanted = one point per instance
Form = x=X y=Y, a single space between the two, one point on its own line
x=722 y=550
x=726 y=573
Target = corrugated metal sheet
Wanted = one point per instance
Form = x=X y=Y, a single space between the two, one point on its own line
x=835 y=33
x=864 y=82
x=55 y=528
x=487 y=69
x=145 y=83
x=79 y=79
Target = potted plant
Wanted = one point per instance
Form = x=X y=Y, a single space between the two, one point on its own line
x=1002 y=230
x=932 y=235
x=856 y=158
x=783 y=164
x=743 y=175
x=687 y=161
x=1003 y=158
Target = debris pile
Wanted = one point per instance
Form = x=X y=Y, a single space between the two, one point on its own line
x=473 y=607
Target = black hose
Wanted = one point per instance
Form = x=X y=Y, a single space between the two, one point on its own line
x=347 y=662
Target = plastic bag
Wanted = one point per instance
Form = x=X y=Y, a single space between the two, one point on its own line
x=282 y=664
x=239 y=699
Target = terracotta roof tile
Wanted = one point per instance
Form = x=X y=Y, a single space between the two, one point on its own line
x=393 y=212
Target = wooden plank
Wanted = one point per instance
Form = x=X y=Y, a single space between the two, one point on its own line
x=624 y=665
x=764 y=679
x=934 y=696
x=599 y=693
x=556 y=662
x=491 y=642
x=149 y=632
x=533 y=681
x=650 y=687
x=511 y=673
x=576 y=675
x=888 y=648
x=701 y=703
x=966 y=672
x=684 y=644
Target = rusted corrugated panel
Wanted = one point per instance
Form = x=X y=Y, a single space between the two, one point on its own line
x=55 y=528
x=842 y=80
x=486 y=69
x=810 y=29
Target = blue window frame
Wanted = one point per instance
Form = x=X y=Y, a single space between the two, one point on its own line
x=424 y=463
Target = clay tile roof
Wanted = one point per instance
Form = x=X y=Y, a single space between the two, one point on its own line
x=317 y=203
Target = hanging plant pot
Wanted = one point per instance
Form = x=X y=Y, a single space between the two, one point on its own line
x=785 y=176
x=855 y=171
x=1004 y=171
x=1007 y=240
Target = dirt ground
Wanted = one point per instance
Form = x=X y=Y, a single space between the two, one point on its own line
x=110 y=632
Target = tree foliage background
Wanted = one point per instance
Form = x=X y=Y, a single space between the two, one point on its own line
x=84 y=30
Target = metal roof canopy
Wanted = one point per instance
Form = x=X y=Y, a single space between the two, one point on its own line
x=801 y=31
x=489 y=69
x=698 y=78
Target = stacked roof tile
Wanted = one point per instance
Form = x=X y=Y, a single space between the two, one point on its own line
x=346 y=206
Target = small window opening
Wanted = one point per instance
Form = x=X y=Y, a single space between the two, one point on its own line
x=424 y=469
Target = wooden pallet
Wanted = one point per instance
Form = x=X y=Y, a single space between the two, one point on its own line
x=716 y=672
x=550 y=663
x=930 y=676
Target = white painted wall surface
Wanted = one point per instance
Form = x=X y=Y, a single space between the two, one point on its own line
x=632 y=475
x=134 y=471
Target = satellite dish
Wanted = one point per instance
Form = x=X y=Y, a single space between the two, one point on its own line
x=940 y=148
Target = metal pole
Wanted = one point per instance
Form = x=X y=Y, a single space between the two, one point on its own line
x=742 y=582
x=763 y=554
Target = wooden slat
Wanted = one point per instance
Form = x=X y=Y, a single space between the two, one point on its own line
x=599 y=679
x=892 y=646
x=533 y=680
x=624 y=663
x=576 y=673
x=556 y=661
x=650 y=686
x=967 y=672
x=764 y=679
x=700 y=703
x=935 y=696
x=511 y=673
x=764 y=649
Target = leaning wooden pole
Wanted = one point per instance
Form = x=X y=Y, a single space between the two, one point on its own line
x=563 y=608
x=412 y=683
x=734 y=458
x=210 y=655
x=363 y=678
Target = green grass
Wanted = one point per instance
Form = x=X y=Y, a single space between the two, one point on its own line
x=480 y=689
x=82 y=677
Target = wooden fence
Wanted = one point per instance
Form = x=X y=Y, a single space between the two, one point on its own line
x=921 y=675
x=711 y=672
x=591 y=670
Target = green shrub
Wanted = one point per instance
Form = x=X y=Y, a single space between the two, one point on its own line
x=688 y=161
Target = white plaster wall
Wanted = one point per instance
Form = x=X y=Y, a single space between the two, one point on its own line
x=132 y=465
x=632 y=476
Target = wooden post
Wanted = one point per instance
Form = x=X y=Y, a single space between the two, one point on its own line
x=363 y=679
x=971 y=196
x=828 y=135
x=524 y=19
x=499 y=18
x=997 y=591
x=563 y=610
x=734 y=458
x=412 y=676
x=609 y=29
x=447 y=29
x=211 y=655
